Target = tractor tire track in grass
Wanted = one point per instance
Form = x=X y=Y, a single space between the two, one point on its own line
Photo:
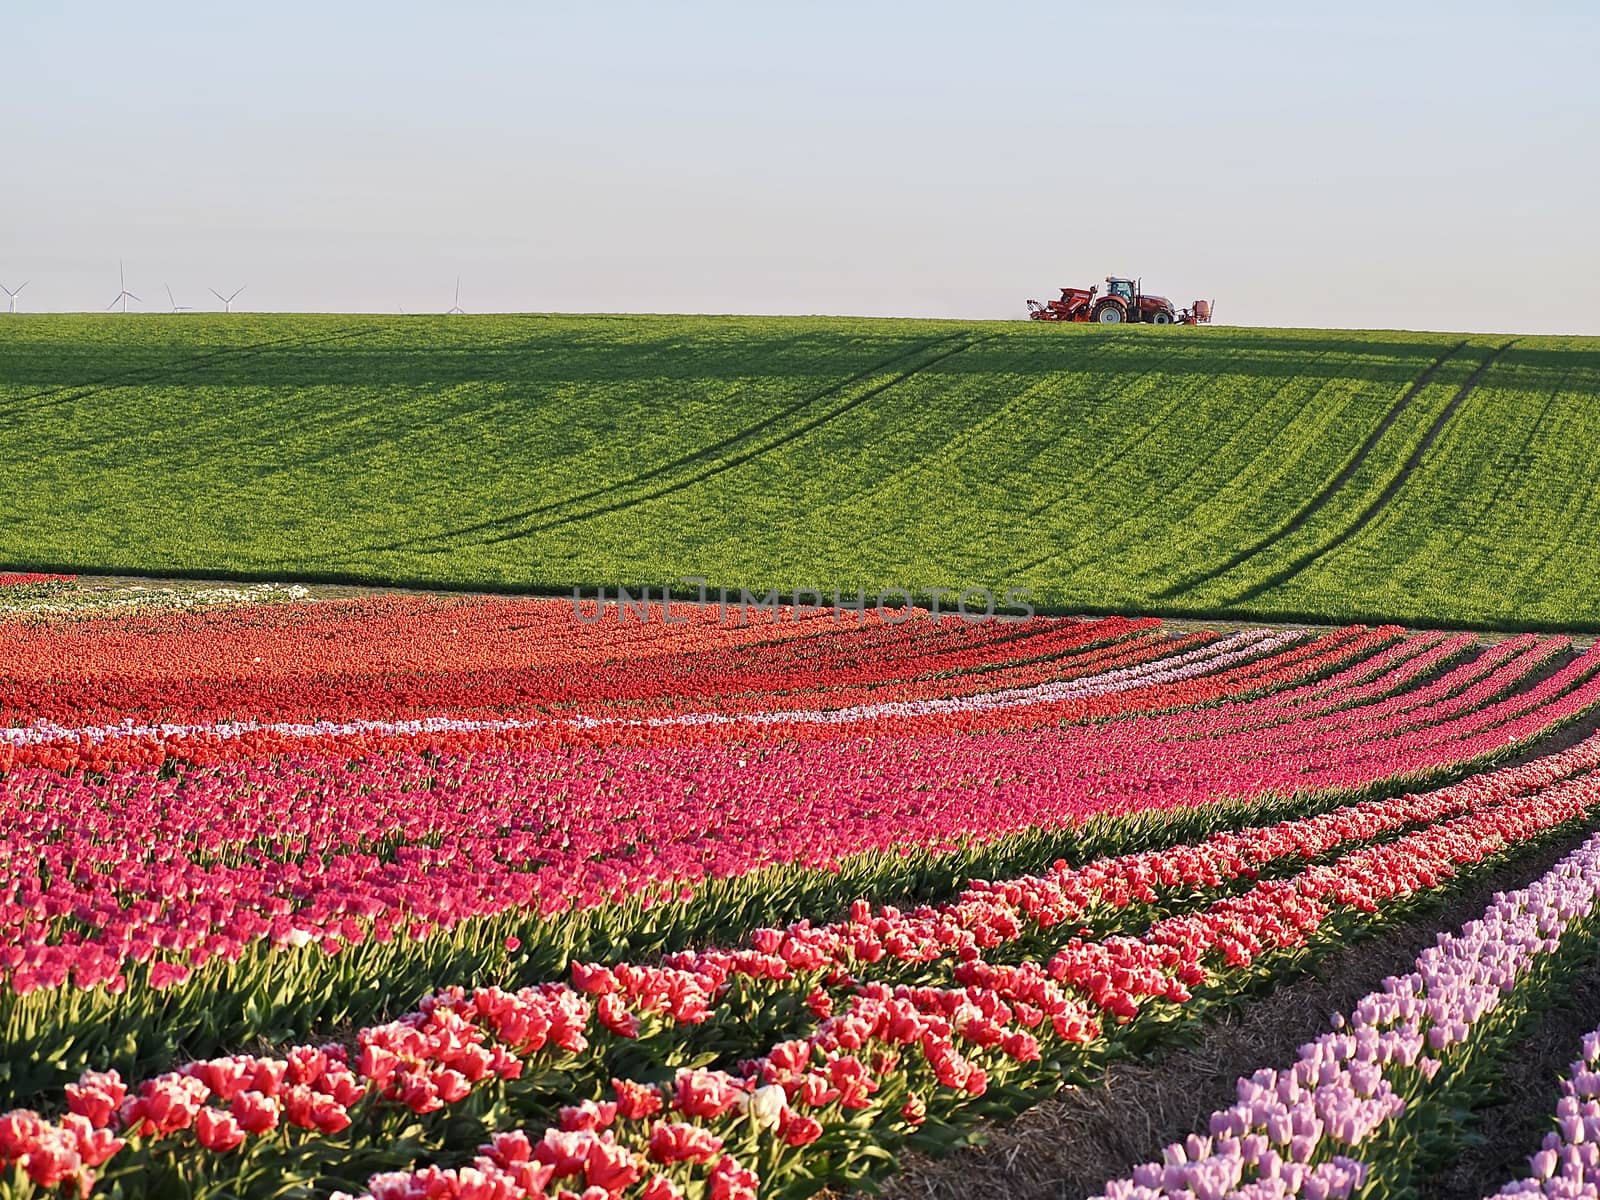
x=324 y=421
x=1381 y=501
x=698 y=455
x=1578 y=503
x=914 y=470
x=1323 y=497
x=1092 y=534
x=724 y=465
x=1230 y=500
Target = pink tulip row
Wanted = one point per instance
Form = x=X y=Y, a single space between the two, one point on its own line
x=988 y=1023
x=1308 y=1130
x=987 y=915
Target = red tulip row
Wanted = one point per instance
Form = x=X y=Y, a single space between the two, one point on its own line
x=1080 y=691
x=890 y=1052
x=409 y=656
x=1121 y=666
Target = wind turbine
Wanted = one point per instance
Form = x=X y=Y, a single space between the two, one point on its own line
x=457 y=310
x=176 y=307
x=12 y=295
x=124 y=295
x=227 y=301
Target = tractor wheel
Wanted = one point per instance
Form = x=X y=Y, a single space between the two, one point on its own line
x=1161 y=317
x=1109 y=314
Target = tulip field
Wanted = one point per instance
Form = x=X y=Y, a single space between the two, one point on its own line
x=391 y=896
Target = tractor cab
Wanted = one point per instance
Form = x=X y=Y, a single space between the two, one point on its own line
x=1121 y=302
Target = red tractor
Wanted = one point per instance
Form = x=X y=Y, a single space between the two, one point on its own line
x=1123 y=301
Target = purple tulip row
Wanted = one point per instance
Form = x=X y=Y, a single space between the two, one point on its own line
x=1307 y=1130
x=1567 y=1165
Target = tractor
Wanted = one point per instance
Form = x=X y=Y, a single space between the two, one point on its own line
x=1124 y=300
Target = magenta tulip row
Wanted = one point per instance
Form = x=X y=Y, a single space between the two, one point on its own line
x=151 y=866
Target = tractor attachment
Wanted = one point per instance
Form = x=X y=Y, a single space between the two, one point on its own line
x=1073 y=306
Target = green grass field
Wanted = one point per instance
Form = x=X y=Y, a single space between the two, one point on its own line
x=1430 y=478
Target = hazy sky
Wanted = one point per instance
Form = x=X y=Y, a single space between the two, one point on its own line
x=1357 y=164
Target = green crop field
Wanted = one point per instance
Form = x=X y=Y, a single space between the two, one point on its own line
x=1310 y=474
